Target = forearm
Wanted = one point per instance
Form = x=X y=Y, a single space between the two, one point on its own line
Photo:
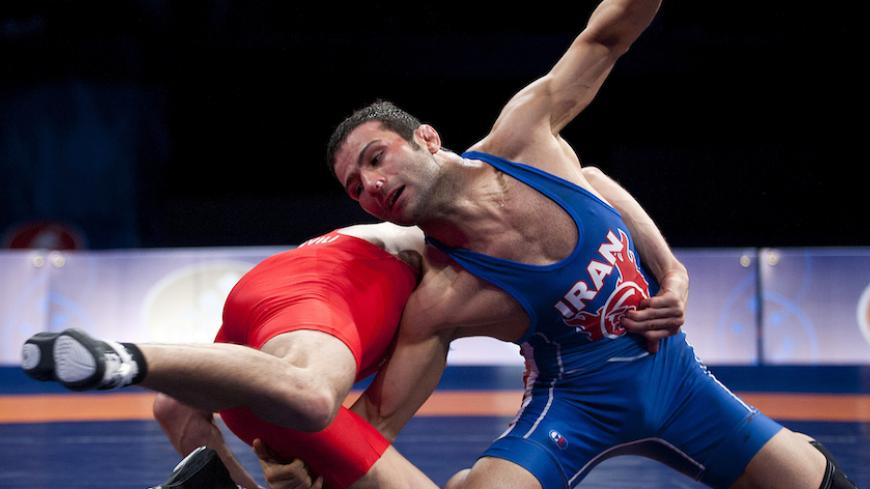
x=618 y=23
x=655 y=253
x=403 y=385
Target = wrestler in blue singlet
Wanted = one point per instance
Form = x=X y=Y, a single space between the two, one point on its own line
x=593 y=391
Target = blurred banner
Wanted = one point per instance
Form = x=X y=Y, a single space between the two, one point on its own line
x=721 y=320
x=816 y=305
x=162 y=295
x=24 y=292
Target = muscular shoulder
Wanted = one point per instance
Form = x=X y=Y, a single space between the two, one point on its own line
x=546 y=151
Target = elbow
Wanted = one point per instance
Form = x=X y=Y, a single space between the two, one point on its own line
x=616 y=46
x=681 y=272
x=615 y=25
x=677 y=269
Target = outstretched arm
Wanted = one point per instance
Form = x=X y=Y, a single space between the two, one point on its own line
x=551 y=102
x=664 y=314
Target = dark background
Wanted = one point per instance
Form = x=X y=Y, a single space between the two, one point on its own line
x=156 y=123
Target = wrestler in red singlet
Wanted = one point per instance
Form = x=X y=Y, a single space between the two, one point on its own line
x=338 y=284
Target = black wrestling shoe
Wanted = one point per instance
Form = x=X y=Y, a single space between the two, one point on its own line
x=202 y=469
x=37 y=358
x=82 y=362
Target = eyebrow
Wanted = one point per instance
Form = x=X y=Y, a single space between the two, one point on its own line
x=359 y=158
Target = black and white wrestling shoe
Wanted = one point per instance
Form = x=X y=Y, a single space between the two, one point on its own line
x=202 y=469
x=80 y=362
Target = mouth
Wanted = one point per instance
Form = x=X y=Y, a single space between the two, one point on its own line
x=393 y=197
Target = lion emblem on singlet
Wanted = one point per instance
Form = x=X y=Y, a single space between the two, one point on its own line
x=628 y=290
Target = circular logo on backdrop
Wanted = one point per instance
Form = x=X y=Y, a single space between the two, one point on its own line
x=187 y=304
x=47 y=235
x=863 y=313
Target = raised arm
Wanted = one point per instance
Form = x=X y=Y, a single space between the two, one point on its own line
x=548 y=104
x=663 y=314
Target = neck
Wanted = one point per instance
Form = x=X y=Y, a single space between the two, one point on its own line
x=470 y=208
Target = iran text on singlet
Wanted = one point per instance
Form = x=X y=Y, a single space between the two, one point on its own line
x=575 y=306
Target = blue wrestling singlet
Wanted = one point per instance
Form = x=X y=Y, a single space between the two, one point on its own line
x=593 y=391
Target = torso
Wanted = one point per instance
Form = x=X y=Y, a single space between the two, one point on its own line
x=535 y=231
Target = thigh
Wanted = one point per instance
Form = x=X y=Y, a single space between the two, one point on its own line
x=708 y=423
x=786 y=461
x=562 y=432
x=323 y=357
x=498 y=473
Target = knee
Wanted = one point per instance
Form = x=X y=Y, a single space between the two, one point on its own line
x=319 y=405
x=166 y=408
x=324 y=403
x=457 y=480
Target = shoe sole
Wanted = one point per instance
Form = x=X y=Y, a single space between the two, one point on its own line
x=75 y=360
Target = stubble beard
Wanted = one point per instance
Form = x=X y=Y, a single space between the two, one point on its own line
x=430 y=197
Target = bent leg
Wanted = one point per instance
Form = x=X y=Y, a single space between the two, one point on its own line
x=188 y=428
x=342 y=453
x=788 y=460
x=298 y=380
x=498 y=473
x=457 y=480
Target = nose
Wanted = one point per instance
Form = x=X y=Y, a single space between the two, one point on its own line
x=372 y=182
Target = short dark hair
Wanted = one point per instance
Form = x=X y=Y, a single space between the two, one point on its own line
x=390 y=117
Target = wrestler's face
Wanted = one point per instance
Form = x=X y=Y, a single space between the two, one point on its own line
x=391 y=178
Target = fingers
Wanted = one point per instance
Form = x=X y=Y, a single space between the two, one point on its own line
x=653 y=331
x=653 y=338
x=286 y=476
x=318 y=484
x=664 y=299
x=652 y=314
x=642 y=324
x=261 y=450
